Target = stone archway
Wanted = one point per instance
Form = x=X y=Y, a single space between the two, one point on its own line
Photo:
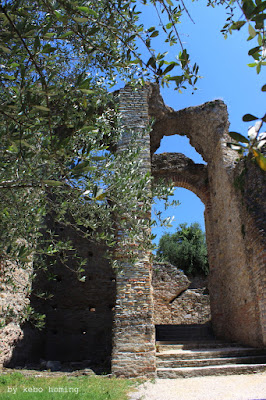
x=235 y=229
x=180 y=171
x=234 y=288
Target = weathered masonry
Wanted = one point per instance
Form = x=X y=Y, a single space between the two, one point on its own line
x=234 y=197
x=111 y=316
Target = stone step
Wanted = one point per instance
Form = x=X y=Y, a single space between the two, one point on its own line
x=210 y=370
x=227 y=352
x=180 y=363
x=184 y=338
x=211 y=344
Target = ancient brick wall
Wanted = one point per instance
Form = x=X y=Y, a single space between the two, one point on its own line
x=134 y=332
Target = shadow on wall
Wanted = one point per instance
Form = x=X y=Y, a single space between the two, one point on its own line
x=79 y=315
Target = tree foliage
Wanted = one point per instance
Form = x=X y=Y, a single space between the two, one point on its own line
x=254 y=144
x=250 y=14
x=59 y=122
x=186 y=249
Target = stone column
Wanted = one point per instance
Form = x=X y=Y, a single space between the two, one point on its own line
x=134 y=331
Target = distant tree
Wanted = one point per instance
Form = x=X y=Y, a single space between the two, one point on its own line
x=186 y=249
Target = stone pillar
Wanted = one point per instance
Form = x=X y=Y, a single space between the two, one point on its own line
x=134 y=331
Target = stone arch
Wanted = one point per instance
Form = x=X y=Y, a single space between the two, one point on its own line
x=227 y=218
x=181 y=171
x=205 y=125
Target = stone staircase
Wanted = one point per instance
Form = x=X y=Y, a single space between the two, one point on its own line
x=181 y=353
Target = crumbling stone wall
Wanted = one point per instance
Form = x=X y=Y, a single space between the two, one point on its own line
x=179 y=299
x=14 y=300
x=235 y=238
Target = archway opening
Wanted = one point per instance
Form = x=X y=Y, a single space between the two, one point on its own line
x=179 y=144
x=181 y=296
x=181 y=299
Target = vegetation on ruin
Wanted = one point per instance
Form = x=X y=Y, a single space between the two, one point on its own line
x=80 y=387
x=59 y=123
x=186 y=249
x=252 y=146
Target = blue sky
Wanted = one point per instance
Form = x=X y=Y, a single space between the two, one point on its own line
x=225 y=75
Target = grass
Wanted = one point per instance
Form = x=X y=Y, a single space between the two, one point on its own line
x=17 y=386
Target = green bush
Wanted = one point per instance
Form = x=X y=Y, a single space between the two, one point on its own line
x=186 y=249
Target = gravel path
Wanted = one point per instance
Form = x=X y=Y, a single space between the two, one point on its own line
x=231 y=387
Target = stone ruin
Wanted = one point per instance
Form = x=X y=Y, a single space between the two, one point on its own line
x=177 y=298
x=111 y=316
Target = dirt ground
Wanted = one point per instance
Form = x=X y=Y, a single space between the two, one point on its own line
x=231 y=387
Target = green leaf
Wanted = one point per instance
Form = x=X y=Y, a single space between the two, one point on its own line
x=47 y=49
x=49 y=182
x=260 y=7
x=10 y=78
x=5 y=49
x=259 y=18
x=238 y=137
x=256 y=56
x=88 y=10
x=85 y=84
x=169 y=68
x=58 y=15
x=248 y=7
x=66 y=34
x=81 y=168
x=237 y=25
x=87 y=91
x=98 y=158
x=169 y=2
x=154 y=34
x=263 y=89
x=42 y=108
x=249 y=117
x=130 y=38
x=49 y=35
x=13 y=65
x=37 y=43
x=178 y=79
x=151 y=62
x=252 y=31
x=80 y=19
x=254 y=50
